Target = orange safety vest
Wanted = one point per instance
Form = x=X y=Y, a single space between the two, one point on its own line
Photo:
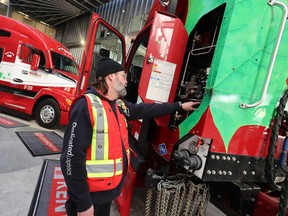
x=104 y=160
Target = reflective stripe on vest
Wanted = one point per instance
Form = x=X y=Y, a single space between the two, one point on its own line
x=100 y=165
x=103 y=168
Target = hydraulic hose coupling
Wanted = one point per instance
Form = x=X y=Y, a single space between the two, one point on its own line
x=192 y=161
x=283 y=155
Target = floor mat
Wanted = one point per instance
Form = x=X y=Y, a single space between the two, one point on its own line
x=50 y=193
x=41 y=142
x=10 y=123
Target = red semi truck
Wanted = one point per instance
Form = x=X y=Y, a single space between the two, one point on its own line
x=232 y=150
x=38 y=75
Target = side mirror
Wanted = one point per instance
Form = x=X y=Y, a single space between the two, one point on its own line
x=35 y=62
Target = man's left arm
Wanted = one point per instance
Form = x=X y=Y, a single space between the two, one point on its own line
x=152 y=110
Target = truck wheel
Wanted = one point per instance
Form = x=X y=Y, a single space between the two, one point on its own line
x=48 y=113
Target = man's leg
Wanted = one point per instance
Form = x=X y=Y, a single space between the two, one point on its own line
x=103 y=209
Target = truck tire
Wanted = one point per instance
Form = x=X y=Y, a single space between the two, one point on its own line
x=48 y=113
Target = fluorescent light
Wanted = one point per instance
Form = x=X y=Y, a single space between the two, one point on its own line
x=26 y=15
x=44 y=23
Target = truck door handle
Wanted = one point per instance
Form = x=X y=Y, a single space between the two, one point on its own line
x=274 y=54
x=18 y=80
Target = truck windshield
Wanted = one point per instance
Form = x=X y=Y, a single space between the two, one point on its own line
x=64 y=63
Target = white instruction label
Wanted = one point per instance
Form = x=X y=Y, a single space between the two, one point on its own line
x=161 y=79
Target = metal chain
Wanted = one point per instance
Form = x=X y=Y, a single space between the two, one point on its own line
x=175 y=197
x=177 y=186
x=205 y=198
x=189 y=199
x=148 y=205
x=181 y=200
x=158 y=200
x=171 y=203
x=164 y=202
x=195 y=199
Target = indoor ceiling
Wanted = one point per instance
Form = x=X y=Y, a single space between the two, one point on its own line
x=55 y=12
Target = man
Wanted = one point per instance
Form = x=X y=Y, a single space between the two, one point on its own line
x=95 y=152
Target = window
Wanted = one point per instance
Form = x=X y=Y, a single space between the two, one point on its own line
x=107 y=44
x=63 y=63
x=42 y=63
x=135 y=70
x=26 y=54
x=4 y=33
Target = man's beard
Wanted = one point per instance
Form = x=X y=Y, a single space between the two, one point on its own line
x=119 y=88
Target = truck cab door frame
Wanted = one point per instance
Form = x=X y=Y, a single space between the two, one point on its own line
x=101 y=40
x=158 y=49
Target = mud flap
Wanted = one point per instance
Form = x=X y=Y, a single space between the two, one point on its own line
x=123 y=202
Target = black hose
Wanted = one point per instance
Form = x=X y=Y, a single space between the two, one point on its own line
x=270 y=160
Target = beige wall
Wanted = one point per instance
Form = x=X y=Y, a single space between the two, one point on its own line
x=27 y=20
x=3 y=6
x=5 y=2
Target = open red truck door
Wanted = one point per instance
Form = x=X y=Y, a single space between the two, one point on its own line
x=153 y=67
x=102 y=41
x=155 y=61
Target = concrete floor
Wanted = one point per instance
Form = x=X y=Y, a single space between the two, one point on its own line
x=19 y=172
